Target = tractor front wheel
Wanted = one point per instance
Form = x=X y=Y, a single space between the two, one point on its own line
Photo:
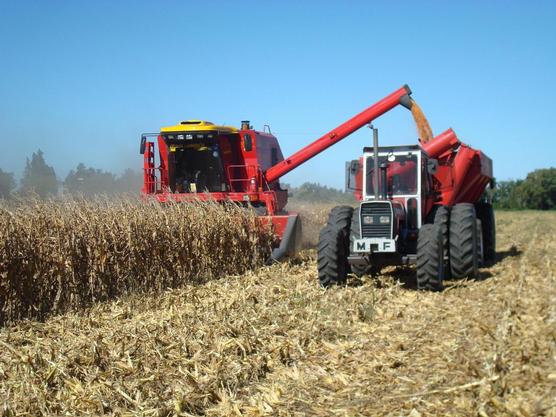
x=340 y=218
x=440 y=215
x=430 y=257
x=332 y=256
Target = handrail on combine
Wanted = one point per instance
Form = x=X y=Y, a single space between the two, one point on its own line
x=252 y=178
x=153 y=183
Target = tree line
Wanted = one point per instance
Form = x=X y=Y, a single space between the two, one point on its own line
x=40 y=179
x=316 y=193
x=537 y=191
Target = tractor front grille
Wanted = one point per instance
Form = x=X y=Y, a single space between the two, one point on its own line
x=377 y=229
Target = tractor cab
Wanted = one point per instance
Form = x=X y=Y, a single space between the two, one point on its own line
x=400 y=174
x=394 y=189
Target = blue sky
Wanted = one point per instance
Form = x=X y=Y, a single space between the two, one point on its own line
x=81 y=80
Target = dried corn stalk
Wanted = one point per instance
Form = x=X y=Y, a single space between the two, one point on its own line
x=61 y=255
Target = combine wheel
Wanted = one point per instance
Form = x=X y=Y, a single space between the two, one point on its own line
x=355 y=233
x=486 y=214
x=464 y=256
x=332 y=256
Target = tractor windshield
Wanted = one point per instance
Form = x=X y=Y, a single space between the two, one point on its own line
x=401 y=174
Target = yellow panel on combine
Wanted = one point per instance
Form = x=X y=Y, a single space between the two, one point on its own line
x=199 y=126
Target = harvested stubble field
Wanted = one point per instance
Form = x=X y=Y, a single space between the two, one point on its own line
x=270 y=342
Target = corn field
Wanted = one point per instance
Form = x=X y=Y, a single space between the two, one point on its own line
x=60 y=255
x=270 y=342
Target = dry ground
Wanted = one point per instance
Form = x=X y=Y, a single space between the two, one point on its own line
x=272 y=343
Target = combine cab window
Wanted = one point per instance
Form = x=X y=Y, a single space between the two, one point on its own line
x=195 y=166
x=401 y=173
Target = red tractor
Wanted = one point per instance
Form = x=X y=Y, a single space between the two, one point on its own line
x=419 y=204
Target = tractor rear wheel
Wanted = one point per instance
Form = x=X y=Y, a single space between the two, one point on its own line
x=332 y=256
x=464 y=259
x=430 y=258
x=354 y=234
x=485 y=213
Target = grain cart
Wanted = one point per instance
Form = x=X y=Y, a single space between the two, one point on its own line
x=198 y=160
x=419 y=204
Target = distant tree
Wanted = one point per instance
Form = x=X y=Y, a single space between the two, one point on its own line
x=89 y=181
x=130 y=182
x=538 y=190
x=504 y=194
x=7 y=184
x=39 y=177
x=316 y=193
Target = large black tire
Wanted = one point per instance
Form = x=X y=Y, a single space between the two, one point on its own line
x=440 y=215
x=340 y=217
x=480 y=243
x=355 y=233
x=430 y=258
x=485 y=213
x=332 y=256
x=464 y=260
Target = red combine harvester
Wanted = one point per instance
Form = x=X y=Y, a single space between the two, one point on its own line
x=198 y=160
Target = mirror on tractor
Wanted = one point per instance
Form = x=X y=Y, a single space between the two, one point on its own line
x=352 y=168
x=143 y=144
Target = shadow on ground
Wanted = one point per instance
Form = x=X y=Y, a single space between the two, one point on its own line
x=512 y=252
x=405 y=275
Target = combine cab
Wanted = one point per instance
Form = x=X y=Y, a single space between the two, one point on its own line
x=198 y=160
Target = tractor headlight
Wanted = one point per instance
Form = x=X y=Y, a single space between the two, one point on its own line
x=384 y=219
x=367 y=219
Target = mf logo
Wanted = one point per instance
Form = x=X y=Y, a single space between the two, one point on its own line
x=380 y=246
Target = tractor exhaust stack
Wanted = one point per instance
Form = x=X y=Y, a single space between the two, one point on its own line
x=375 y=157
